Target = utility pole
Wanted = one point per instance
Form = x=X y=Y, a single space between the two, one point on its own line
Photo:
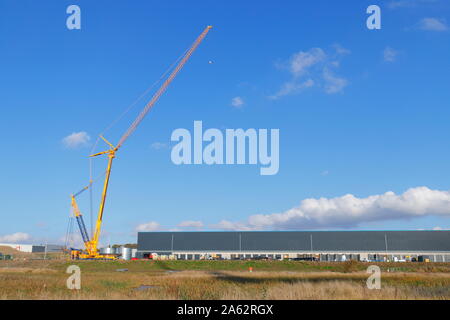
x=386 y=245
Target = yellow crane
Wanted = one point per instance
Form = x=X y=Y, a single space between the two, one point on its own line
x=91 y=245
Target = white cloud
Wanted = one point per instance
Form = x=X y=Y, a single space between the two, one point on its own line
x=230 y=226
x=340 y=50
x=333 y=84
x=237 y=102
x=312 y=68
x=15 y=237
x=389 y=54
x=159 y=145
x=349 y=211
x=433 y=24
x=440 y=228
x=301 y=62
x=76 y=140
x=292 y=87
x=191 y=224
x=149 y=226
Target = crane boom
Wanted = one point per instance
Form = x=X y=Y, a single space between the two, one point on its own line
x=163 y=88
x=91 y=245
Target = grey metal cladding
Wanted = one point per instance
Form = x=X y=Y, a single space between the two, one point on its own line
x=351 y=241
x=272 y=240
x=418 y=240
x=156 y=241
x=38 y=249
x=221 y=241
x=53 y=248
x=377 y=241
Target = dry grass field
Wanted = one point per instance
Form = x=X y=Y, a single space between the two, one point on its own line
x=46 y=279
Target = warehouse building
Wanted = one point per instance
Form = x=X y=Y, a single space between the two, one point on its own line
x=433 y=246
x=31 y=248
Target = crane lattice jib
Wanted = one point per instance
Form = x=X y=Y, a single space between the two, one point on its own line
x=163 y=88
x=91 y=245
x=79 y=218
x=82 y=228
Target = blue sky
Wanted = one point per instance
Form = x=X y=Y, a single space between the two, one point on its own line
x=365 y=112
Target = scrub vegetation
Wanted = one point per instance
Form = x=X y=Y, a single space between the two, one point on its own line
x=46 y=279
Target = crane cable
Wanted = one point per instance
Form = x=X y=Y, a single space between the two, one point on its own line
x=132 y=105
x=89 y=185
x=184 y=58
x=112 y=124
x=163 y=88
x=91 y=182
x=69 y=231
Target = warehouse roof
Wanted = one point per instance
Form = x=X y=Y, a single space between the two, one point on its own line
x=412 y=241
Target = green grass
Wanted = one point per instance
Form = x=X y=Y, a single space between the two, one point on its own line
x=179 y=265
x=239 y=265
x=230 y=265
x=114 y=284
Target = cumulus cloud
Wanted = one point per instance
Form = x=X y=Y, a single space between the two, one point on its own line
x=313 y=68
x=76 y=140
x=237 y=102
x=191 y=224
x=389 y=54
x=350 y=211
x=433 y=24
x=15 y=237
x=149 y=226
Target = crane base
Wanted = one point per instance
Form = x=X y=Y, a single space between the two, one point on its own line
x=79 y=255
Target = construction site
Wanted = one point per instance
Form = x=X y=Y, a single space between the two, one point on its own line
x=365 y=246
x=91 y=250
x=242 y=263
x=229 y=265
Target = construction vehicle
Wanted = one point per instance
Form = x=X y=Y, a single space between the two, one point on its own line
x=91 y=251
